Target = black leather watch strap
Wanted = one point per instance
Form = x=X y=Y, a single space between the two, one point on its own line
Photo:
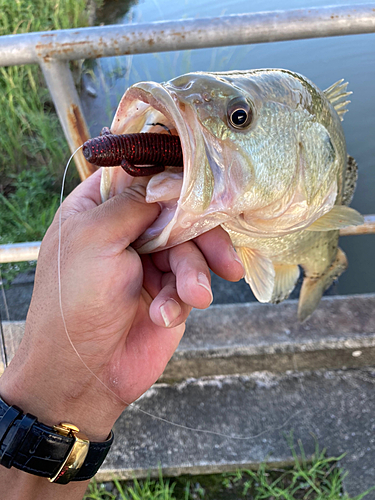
x=38 y=449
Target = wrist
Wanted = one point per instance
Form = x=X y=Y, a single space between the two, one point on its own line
x=60 y=453
x=78 y=401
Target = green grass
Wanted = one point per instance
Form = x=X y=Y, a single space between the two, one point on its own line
x=32 y=136
x=149 y=489
x=319 y=478
x=26 y=212
x=33 y=149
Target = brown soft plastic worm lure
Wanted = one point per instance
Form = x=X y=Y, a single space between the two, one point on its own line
x=131 y=151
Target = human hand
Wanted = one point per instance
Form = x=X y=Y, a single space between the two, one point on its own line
x=124 y=314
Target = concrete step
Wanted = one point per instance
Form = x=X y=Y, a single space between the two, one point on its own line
x=252 y=371
x=257 y=412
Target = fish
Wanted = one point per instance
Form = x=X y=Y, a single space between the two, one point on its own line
x=264 y=157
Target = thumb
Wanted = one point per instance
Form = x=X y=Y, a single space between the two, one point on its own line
x=121 y=218
x=84 y=197
x=126 y=216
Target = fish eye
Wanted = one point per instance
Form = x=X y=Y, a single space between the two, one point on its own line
x=239 y=113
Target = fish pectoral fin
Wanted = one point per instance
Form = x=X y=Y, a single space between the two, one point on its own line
x=286 y=277
x=314 y=286
x=259 y=273
x=340 y=216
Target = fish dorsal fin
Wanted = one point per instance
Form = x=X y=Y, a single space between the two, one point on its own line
x=259 y=273
x=350 y=182
x=285 y=280
x=340 y=216
x=336 y=94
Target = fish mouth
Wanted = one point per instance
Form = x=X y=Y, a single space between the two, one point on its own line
x=150 y=107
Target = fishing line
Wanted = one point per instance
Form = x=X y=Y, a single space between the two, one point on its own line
x=133 y=405
x=4 y=356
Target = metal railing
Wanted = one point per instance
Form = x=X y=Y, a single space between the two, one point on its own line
x=53 y=50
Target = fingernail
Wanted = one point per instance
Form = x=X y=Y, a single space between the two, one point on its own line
x=237 y=259
x=203 y=281
x=170 y=311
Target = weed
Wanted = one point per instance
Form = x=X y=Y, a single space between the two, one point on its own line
x=319 y=478
x=316 y=478
x=98 y=491
x=147 y=489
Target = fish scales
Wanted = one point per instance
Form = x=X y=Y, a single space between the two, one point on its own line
x=265 y=157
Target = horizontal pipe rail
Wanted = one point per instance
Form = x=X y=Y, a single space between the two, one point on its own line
x=262 y=27
x=19 y=252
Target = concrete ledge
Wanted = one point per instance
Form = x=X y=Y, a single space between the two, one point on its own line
x=245 y=338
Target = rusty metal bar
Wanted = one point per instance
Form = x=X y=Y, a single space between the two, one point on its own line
x=60 y=83
x=19 y=252
x=261 y=27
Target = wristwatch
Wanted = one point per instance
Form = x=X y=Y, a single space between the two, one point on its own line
x=60 y=453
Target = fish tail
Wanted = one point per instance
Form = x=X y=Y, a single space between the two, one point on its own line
x=314 y=286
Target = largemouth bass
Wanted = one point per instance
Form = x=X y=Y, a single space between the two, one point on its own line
x=264 y=156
